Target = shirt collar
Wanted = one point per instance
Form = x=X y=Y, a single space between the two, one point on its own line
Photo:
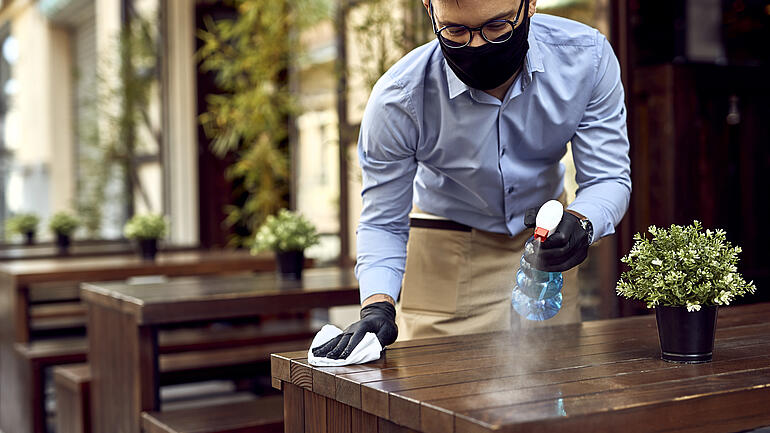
x=533 y=62
x=456 y=86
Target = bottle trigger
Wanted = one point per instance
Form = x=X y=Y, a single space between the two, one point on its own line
x=548 y=218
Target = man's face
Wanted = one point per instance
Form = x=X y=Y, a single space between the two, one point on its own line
x=474 y=13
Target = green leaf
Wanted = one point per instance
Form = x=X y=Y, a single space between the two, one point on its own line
x=683 y=266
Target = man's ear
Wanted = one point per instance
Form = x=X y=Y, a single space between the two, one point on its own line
x=532 y=7
x=427 y=7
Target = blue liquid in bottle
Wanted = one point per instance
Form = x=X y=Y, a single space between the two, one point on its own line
x=536 y=294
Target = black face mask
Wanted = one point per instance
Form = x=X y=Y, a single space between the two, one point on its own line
x=488 y=66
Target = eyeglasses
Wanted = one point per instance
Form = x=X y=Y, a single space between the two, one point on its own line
x=458 y=35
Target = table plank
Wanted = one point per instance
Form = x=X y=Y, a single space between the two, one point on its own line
x=544 y=412
x=533 y=391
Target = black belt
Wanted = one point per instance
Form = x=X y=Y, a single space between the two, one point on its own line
x=438 y=224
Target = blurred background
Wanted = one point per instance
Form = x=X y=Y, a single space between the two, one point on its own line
x=218 y=113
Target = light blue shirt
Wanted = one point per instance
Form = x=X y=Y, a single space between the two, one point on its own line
x=457 y=152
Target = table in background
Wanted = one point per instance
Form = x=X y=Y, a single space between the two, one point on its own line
x=124 y=320
x=50 y=287
x=603 y=376
x=17 y=278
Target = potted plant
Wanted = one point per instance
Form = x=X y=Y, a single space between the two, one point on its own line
x=63 y=225
x=146 y=230
x=685 y=273
x=24 y=224
x=288 y=234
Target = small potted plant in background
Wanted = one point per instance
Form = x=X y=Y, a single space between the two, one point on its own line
x=146 y=230
x=288 y=234
x=63 y=225
x=685 y=273
x=24 y=224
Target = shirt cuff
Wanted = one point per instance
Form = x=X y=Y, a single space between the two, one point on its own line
x=602 y=225
x=379 y=280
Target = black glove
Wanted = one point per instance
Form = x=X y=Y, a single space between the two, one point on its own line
x=378 y=317
x=565 y=248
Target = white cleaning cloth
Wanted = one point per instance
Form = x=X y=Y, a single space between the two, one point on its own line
x=367 y=350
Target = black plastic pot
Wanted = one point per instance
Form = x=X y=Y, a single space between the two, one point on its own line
x=29 y=238
x=148 y=248
x=63 y=243
x=686 y=336
x=290 y=264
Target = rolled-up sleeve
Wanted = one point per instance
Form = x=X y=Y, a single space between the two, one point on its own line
x=386 y=153
x=600 y=149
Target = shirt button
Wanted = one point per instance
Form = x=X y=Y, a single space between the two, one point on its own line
x=510 y=189
x=503 y=152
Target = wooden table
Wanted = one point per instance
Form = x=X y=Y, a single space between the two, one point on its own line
x=123 y=324
x=17 y=278
x=603 y=376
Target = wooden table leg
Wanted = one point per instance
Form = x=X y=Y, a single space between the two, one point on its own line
x=124 y=365
x=293 y=408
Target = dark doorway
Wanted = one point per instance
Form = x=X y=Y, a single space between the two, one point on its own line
x=216 y=192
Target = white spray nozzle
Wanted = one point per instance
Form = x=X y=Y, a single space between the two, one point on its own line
x=548 y=218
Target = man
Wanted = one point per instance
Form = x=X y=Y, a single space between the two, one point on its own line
x=466 y=133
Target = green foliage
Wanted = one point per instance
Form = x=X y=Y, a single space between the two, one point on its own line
x=251 y=57
x=63 y=223
x=683 y=266
x=385 y=35
x=585 y=11
x=22 y=223
x=150 y=226
x=287 y=231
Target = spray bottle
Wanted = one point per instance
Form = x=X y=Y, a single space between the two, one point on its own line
x=537 y=294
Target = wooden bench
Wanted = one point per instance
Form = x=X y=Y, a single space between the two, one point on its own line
x=73 y=398
x=259 y=416
x=57 y=318
x=187 y=354
x=32 y=360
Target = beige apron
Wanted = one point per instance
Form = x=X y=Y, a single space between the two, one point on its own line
x=460 y=282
